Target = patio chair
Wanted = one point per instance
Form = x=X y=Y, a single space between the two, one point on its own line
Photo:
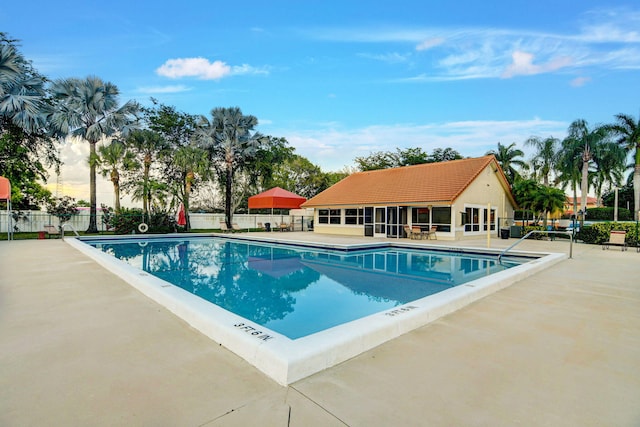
x=417 y=232
x=284 y=227
x=261 y=227
x=432 y=232
x=223 y=227
x=410 y=233
x=236 y=227
x=52 y=230
x=616 y=238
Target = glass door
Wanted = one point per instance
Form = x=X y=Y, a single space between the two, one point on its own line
x=380 y=222
x=393 y=221
x=368 y=221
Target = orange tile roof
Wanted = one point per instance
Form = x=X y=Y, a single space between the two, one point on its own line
x=590 y=200
x=425 y=183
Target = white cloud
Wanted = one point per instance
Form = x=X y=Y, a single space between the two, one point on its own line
x=605 y=39
x=523 y=65
x=618 y=25
x=429 y=43
x=203 y=69
x=248 y=69
x=194 y=67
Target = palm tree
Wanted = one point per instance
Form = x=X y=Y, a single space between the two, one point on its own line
x=569 y=168
x=26 y=146
x=545 y=157
x=229 y=140
x=524 y=191
x=112 y=158
x=548 y=200
x=610 y=165
x=587 y=143
x=507 y=157
x=146 y=146
x=88 y=109
x=22 y=92
x=629 y=132
x=191 y=161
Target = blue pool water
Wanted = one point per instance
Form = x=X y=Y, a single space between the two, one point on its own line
x=298 y=291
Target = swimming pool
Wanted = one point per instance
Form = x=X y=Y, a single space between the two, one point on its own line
x=292 y=310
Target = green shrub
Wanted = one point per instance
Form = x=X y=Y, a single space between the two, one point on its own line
x=128 y=219
x=161 y=221
x=606 y=214
x=536 y=236
x=599 y=233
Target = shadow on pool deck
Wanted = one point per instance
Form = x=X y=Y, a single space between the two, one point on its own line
x=78 y=346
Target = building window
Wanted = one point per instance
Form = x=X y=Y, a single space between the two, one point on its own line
x=473 y=219
x=329 y=216
x=354 y=216
x=441 y=218
x=323 y=216
x=420 y=216
x=334 y=216
x=491 y=218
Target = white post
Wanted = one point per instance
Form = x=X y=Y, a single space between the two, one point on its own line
x=615 y=206
x=488 y=222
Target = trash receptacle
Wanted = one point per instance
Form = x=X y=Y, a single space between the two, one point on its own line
x=504 y=233
x=40 y=235
x=515 y=231
x=267 y=226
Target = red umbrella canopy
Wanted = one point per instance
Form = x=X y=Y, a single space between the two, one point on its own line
x=276 y=198
x=182 y=218
x=5 y=188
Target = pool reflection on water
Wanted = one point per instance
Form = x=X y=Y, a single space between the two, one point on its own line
x=298 y=291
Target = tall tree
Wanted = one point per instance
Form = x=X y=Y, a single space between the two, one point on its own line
x=26 y=147
x=268 y=159
x=411 y=156
x=628 y=131
x=147 y=146
x=375 y=161
x=89 y=109
x=444 y=155
x=176 y=130
x=545 y=156
x=111 y=160
x=569 y=167
x=300 y=176
x=610 y=165
x=509 y=156
x=191 y=162
x=587 y=142
x=230 y=139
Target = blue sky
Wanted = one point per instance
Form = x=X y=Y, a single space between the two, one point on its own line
x=340 y=79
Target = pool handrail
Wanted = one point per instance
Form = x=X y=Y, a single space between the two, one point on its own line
x=568 y=233
x=62 y=230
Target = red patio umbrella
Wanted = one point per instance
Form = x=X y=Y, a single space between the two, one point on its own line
x=276 y=198
x=182 y=217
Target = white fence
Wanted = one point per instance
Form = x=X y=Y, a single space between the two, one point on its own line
x=33 y=221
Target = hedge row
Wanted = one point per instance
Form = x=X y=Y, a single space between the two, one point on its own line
x=606 y=214
x=595 y=234
x=598 y=233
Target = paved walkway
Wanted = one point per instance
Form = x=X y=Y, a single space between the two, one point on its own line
x=80 y=347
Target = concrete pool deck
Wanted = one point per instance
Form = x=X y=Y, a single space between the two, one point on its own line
x=78 y=346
